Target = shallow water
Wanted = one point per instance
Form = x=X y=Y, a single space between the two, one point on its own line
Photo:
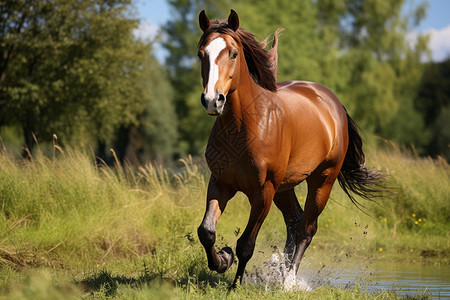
x=402 y=278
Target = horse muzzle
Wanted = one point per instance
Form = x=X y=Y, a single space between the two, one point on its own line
x=214 y=106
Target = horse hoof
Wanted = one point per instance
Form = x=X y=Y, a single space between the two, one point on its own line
x=226 y=256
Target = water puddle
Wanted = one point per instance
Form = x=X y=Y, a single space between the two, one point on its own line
x=403 y=279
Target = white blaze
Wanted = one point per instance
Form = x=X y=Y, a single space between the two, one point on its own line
x=213 y=50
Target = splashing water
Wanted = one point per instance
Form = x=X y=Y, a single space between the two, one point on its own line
x=276 y=273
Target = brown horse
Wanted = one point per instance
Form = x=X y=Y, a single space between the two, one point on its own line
x=269 y=137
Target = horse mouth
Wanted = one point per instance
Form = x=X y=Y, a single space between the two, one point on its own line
x=214 y=114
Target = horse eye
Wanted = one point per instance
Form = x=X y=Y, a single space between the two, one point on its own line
x=234 y=55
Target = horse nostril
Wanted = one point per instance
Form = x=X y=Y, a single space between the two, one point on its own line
x=203 y=99
x=221 y=97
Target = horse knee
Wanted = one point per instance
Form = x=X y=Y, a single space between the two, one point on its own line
x=244 y=250
x=207 y=236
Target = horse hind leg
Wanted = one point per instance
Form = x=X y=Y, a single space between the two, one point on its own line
x=287 y=203
x=319 y=189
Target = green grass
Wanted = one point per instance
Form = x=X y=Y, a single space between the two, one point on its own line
x=69 y=227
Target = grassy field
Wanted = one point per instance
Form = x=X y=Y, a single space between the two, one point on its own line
x=70 y=228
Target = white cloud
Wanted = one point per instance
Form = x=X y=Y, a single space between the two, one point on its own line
x=146 y=31
x=439 y=43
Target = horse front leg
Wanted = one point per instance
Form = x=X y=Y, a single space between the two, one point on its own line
x=217 y=199
x=260 y=206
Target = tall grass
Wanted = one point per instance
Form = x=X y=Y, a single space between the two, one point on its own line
x=114 y=231
x=416 y=217
x=69 y=204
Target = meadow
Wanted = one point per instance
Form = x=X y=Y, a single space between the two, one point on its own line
x=70 y=228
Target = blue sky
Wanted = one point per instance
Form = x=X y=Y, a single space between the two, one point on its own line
x=438 y=15
x=154 y=13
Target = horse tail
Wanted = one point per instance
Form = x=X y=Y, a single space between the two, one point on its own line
x=354 y=178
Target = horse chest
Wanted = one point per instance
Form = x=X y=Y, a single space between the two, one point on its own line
x=229 y=158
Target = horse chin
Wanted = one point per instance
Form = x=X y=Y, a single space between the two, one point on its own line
x=215 y=113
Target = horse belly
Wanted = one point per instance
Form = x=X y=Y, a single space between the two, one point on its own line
x=306 y=156
x=288 y=184
x=295 y=175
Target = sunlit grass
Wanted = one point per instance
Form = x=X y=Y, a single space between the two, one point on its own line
x=70 y=225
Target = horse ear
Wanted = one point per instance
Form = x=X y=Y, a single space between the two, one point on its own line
x=204 y=21
x=233 y=20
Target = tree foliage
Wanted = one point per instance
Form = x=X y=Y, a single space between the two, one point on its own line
x=74 y=68
x=433 y=101
x=182 y=35
x=385 y=68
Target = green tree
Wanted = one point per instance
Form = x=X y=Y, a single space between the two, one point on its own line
x=385 y=70
x=182 y=35
x=433 y=101
x=305 y=49
x=72 y=67
x=158 y=124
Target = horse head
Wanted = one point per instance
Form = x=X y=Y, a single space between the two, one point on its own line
x=218 y=53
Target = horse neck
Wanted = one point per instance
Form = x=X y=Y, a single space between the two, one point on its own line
x=246 y=100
